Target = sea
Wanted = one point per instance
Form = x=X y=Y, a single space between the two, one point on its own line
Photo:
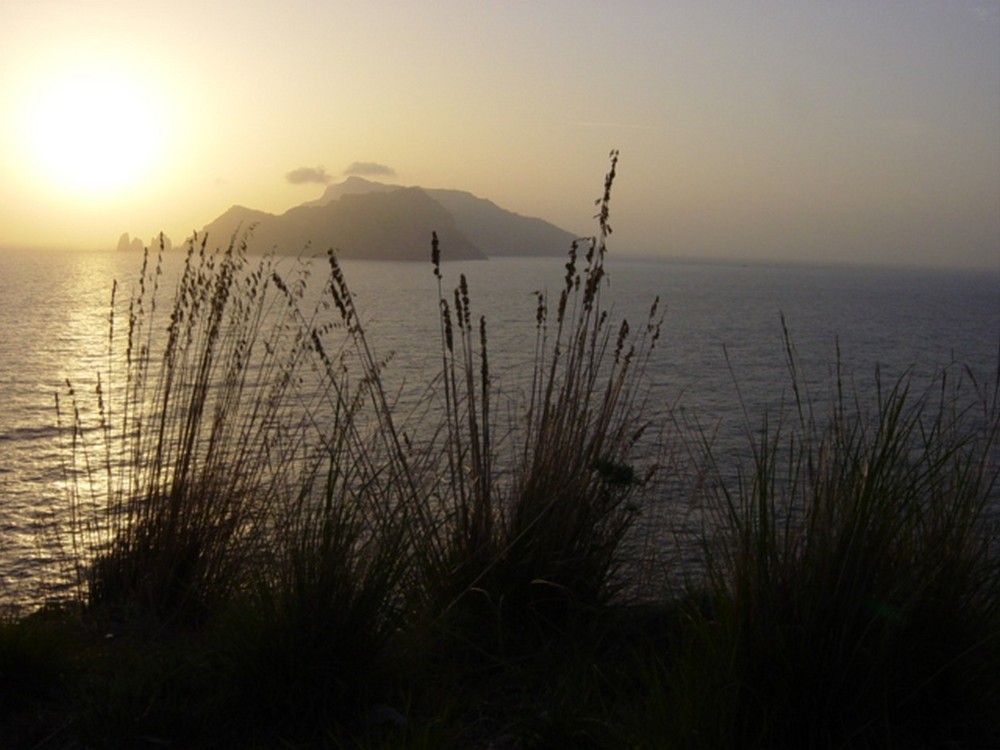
x=732 y=335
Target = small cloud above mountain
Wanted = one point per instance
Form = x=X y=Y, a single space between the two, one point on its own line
x=308 y=175
x=370 y=169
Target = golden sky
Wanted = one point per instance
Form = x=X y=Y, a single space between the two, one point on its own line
x=854 y=131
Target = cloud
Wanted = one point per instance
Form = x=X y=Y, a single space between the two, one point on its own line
x=304 y=175
x=370 y=169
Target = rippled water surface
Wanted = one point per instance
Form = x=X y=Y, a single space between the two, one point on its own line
x=722 y=344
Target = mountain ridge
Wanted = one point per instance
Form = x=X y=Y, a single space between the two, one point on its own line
x=379 y=221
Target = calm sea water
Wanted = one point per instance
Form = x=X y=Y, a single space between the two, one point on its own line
x=721 y=356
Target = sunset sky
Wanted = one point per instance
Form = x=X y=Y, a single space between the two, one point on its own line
x=849 y=131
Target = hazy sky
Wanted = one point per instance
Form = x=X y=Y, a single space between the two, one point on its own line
x=848 y=130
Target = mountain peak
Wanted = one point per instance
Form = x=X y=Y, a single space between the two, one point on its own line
x=353 y=185
x=367 y=219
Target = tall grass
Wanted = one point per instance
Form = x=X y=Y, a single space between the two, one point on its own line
x=539 y=497
x=312 y=643
x=285 y=558
x=188 y=458
x=854 y=583
x=245 y=484
x=240 y=465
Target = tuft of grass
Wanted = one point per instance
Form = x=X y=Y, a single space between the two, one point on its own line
x=249 y=479
x=173 y=481
x=854 y=590
x=536 y=507
x=314 y=641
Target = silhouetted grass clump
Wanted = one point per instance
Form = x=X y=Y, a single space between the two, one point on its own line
x=537 y=506
x=853 y=595
x=268 y=554
x=176 y=483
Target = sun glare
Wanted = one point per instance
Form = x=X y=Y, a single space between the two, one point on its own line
x=94 y=131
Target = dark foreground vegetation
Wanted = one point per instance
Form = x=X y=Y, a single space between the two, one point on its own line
x=269 y=553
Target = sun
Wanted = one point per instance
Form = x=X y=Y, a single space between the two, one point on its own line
x=93 y=130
